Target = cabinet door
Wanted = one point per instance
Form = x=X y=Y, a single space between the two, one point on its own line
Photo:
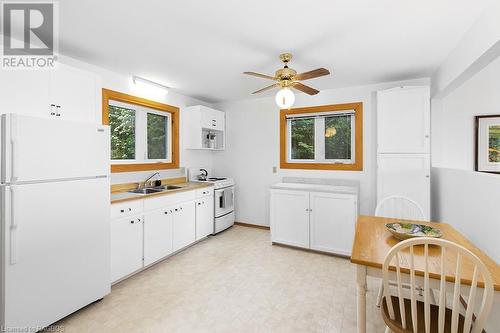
x=25 y=92
x=204 y=217
x=212 y=119
x=407 y=175
x=126 y=246
x=74 y=91
x=403 y=120
x=157 y=234
x=333 y=220
x=184 y=225
x=290 y=217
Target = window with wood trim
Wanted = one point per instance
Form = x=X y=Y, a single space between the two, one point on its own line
x=327 y=137
x=144 y=133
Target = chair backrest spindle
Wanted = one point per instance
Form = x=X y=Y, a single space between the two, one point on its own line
x=397 y=254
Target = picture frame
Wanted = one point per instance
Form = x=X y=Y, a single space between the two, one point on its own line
x=487 y=157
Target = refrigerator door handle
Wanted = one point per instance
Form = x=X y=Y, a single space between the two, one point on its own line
x=14 y=148
x=13 y=227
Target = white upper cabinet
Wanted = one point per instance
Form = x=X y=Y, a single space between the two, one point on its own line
x=63 y=93
x=73 y=92
x=403 y=120
x=205 y=128
x=25 y=92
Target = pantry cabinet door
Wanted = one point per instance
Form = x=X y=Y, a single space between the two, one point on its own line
x=126 y=246
x=333 y=220
x=158 y=234
x=184 y=225
x=406 y=175
x=403 y=120
x=290 y=217
x=73 y=91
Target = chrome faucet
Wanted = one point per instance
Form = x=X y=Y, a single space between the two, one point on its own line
x=145 y=183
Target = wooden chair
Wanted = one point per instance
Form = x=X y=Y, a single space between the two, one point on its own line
x=397 y=206
x=405 y=315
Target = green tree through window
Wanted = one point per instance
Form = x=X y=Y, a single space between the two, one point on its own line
x=302 y=131
x=338 y=138
x=157 y=136
x=122 y=126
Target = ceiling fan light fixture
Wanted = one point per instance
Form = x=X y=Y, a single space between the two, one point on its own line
x=285 y=98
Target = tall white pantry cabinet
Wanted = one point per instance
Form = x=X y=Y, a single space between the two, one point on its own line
x=403 y=144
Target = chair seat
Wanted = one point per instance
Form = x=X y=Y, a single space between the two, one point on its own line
x=396 y=325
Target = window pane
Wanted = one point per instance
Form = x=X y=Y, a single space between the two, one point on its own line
x=122 y=126
x=157 y=136
x=302 y=131
x=338 y=138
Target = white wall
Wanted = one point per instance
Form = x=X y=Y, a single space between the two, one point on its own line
x=466 y=199
x=123 y=83
x=252 y=148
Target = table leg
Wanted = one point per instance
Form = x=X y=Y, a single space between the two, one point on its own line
x=361 y=297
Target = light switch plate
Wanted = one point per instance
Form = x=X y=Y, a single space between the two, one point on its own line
x=275 y=169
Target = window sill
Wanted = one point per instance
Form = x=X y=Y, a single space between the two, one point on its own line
x=322 y=166
x=143 y=166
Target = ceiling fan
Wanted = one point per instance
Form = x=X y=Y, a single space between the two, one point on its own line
x=287 y=78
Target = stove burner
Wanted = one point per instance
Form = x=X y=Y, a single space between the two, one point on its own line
x=216 y=178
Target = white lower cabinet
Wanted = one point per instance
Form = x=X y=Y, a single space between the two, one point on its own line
x=126 y=246
x=204 y=217
x=157 y=234
x=320 y=221
x=332 y=222
x=290 y=217
x=184 y=225
x=147 y=230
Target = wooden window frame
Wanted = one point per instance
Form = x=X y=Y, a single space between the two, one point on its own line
x=108 y=95
x=358 y=137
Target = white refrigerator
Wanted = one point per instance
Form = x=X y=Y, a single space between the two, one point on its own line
x=54 y=219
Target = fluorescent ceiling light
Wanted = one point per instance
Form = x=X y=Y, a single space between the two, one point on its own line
x=150 y=85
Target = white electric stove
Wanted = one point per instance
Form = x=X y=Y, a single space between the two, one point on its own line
x=223 y=197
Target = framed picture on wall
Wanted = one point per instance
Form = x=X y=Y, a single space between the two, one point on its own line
x=488 y=143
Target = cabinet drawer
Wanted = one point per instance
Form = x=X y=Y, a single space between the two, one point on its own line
x=205 y=192
x=167 y=200
x=123 y=209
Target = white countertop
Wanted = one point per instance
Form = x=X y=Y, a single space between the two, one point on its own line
x=345 y=189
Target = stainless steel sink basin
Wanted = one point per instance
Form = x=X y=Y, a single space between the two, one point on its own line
x=145 y=190
x=156 y=189
x=172 y=187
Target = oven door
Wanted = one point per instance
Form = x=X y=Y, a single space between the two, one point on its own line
x=224 y=201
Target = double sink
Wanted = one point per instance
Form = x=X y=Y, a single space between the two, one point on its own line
x=156 y=189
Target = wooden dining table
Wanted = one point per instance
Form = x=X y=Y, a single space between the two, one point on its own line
x=373 y=241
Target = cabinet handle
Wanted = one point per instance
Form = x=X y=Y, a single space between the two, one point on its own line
x=132 y=221
x=199 y=203
x=139 y=220
x=129 y=209
x=180 y=208
x=427 y=176
x=165 y=213
x=58 y=109
x=52 y=113
x=176 y=209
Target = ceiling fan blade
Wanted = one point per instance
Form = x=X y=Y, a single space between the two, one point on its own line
x=266 y=88
x=312 y=74
x=263 y=76
x=304 y=88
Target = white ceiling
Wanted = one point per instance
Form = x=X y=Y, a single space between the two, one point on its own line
x=200 y=48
